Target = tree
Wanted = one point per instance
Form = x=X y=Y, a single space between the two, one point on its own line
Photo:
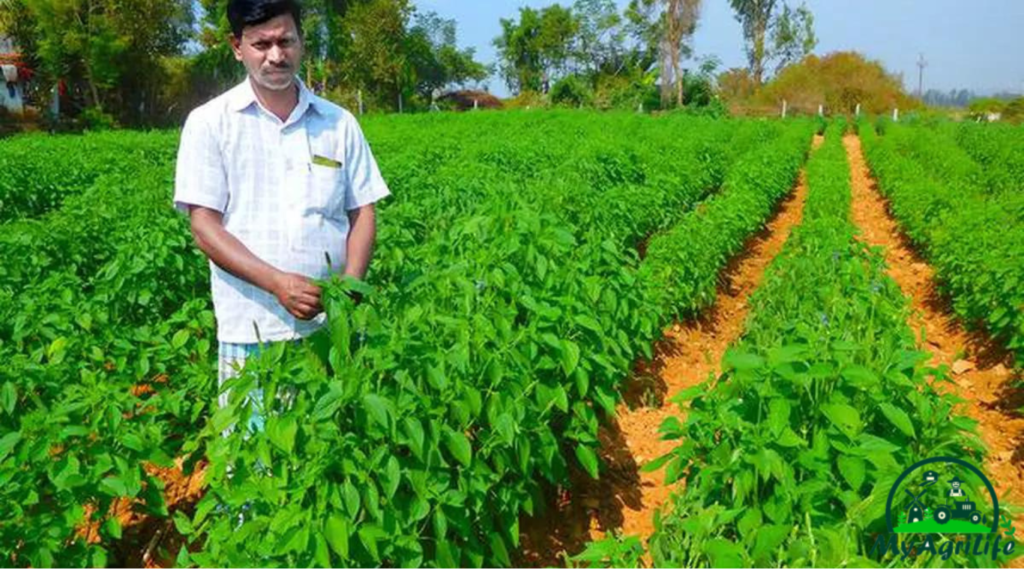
x=600 y=36
x=754 y=15
x=840 y=81
x=534 y=49
x=437 y=61
x=680 y=23
x=791 y=34
x=667 y=25
x=107 y=52
x=376 y=58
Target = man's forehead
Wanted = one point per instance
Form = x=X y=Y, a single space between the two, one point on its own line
x=282 y=26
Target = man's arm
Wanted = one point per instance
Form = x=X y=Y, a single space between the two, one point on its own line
x=295 y=292
x=361 y=237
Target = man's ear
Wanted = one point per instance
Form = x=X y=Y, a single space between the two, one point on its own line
x=236 y=46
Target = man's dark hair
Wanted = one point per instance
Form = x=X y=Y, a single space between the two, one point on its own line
x=242 y=13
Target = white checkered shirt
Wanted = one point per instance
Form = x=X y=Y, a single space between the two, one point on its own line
x=241 y=160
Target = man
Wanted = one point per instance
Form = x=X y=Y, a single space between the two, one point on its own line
x=277 y=183
x=956 y=491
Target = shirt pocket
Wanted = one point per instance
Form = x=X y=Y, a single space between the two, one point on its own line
x=325 y=194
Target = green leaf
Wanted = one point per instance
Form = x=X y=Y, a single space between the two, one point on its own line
x=440 y=523
x=85 y=321
x=392 y=476
x=743 y=361
x=860 y=376
x=749 y=523
x=320 y=551
x=414 y=432
x=436 y=378
x=588 y=459
x=114 y=486
x=458 y=446
x=845 y=417
x=336 y=531
x=570 y=356
x=113 y=528
x=769 y=539
x=724 y=554
x=588 y=323
x=368 y=535
x=132 y=442
x=789 y=439
x=377 y=408
x=182 y=523
x=8 y=397
x=281 y=433
x=350 y=495
x=778 y=416
x=853 y=470
x=179 y=339
x=56 y=350
x=498 y=550
x=899 y=418
x=786 y=354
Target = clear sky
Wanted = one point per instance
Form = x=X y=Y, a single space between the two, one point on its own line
x=972 y=44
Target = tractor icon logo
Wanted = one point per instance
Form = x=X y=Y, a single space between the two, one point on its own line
x=963 y=509
x=927 y=509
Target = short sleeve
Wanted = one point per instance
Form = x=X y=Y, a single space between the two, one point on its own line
x=200 y=178
x=365 y=184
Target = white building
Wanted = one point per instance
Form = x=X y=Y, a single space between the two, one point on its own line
x=12 y=86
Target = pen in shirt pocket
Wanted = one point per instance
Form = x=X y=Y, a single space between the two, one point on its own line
x=318 y=159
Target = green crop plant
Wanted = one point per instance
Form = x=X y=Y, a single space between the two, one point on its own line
x=789 y=456
x=975 y=242
x=504 y=316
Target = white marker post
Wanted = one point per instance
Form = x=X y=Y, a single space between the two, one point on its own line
x=858 y=110
x=821 y=110
x=359 y=98
x=785 y=108
x=895 y=114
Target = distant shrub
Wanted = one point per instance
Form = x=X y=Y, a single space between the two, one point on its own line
x=839 y=81
x=572 y=91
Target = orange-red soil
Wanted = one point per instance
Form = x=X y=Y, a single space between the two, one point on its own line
x=981 y=372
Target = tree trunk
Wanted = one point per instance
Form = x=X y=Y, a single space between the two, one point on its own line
x=757 y=66
x=679 y=89
x=666 y=76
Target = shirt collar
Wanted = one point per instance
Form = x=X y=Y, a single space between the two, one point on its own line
x=243 y=96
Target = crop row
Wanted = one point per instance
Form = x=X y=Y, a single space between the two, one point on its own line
x=789 y=456
x=119 y=373
x=457 y=395
x=999 y=149
x=38 y=174
x=975 y=243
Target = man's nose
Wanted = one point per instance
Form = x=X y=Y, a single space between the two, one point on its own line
x=276 y=55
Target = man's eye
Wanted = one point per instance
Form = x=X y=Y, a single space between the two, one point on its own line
x=260 y=45
x=287 y=43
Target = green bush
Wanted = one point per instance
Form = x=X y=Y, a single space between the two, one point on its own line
x=572 y=91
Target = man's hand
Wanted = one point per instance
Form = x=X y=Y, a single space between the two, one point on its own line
x=296 y=293
x=299 y=295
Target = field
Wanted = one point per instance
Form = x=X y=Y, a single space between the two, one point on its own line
x=586 y=338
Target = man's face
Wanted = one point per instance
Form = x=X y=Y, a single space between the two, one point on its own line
x=271 y=52
x=956 y=485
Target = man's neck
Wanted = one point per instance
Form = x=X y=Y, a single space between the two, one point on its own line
x=279 y=103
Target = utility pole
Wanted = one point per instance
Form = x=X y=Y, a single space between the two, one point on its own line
x=921 y=65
